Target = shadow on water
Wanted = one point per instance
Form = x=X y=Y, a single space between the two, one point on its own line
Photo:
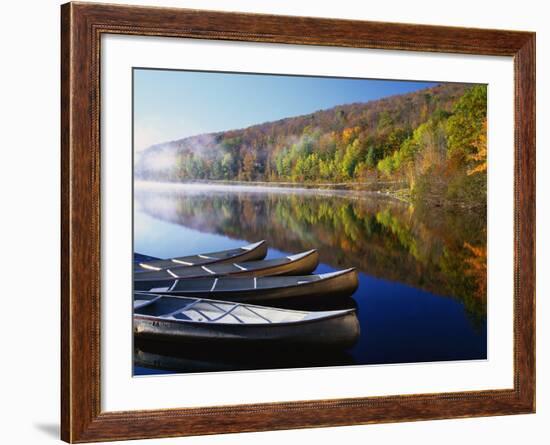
x=204 y=358
x=422 y=293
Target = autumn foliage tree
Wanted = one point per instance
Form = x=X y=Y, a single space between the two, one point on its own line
x=433 y=142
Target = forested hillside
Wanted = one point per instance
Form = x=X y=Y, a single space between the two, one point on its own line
x=431 y=144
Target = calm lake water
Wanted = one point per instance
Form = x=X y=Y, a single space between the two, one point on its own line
x=422 y=271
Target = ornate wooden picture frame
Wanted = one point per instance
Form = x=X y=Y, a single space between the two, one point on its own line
x=82 y=26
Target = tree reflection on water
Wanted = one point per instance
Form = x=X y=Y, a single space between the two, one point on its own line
x=434 y=249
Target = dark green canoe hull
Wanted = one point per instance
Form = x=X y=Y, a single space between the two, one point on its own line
x=247 y=290
x=254 y=252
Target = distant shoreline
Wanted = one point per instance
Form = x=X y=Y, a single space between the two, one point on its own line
x=386 y=189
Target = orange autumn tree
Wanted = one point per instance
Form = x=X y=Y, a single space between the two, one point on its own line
x=480 y=157
x=477 y=267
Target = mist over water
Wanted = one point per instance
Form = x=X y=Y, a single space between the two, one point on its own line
x=212 y=187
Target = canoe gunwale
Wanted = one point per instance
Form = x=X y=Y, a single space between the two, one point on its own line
x=339 y=275
x=259 y=246
x=336 y=314
x=292 y=264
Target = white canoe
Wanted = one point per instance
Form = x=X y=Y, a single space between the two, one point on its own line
x=184 y=319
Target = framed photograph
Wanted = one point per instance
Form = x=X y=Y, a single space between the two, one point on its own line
x=275 y=222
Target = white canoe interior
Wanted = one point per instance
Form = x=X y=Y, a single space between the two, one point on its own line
x=213 y=311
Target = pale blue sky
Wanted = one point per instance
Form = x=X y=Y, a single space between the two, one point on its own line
x=171 y=105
